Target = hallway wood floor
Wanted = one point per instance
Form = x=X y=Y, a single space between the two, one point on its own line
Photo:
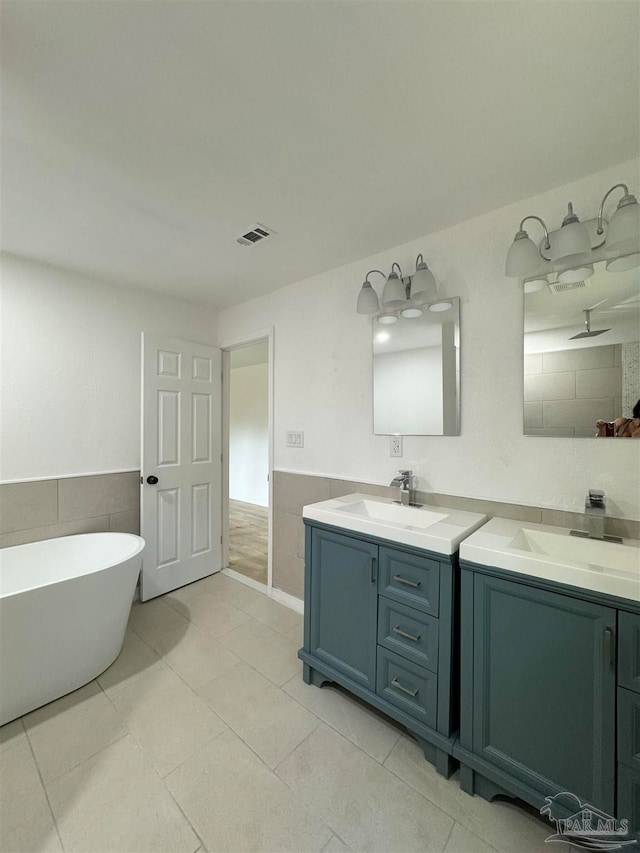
x=248 y=539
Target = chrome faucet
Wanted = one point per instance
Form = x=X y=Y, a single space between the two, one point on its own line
x=404 y=479
x=595 y=509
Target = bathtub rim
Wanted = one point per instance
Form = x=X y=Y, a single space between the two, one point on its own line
x=140 y=546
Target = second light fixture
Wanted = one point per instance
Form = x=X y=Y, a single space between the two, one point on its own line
x=400 y=296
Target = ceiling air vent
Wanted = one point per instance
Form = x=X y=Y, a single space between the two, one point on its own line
x=561 y=287
x=256 y=234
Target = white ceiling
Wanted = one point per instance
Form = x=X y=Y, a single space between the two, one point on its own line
x=140 y=138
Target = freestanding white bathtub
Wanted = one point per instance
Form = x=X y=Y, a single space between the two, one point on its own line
x=64 y=607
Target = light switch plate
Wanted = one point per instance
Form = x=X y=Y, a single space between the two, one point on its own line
x=395 y=447
x=295 y=438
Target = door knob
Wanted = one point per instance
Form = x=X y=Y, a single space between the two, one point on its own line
x=152 y=480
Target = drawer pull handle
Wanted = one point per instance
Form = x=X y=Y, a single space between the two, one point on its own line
x=400 y=579
x=413 y=693
x=373 y=569
x=413 y=637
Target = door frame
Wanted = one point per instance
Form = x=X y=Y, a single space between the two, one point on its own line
x=227 y=345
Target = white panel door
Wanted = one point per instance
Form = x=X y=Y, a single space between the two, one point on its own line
x=181 y=488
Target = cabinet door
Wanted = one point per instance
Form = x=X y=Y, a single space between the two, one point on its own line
x=629 y=651
x=544 y=688
x=344 y=604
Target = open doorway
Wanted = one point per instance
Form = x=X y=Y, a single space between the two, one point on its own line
x=247 y=461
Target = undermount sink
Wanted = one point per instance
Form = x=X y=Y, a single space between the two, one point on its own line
x=437 y=529
x=552 y=553
x=394 y=514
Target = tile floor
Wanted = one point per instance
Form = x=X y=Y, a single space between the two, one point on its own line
x=203 y=736
x=248 y=539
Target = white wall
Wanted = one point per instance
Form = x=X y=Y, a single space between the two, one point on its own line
x=323 y=384
x=249 y=434
x=71 y=368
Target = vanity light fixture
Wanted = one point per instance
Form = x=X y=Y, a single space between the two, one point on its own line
x=571 y=251
x=394 y=294
x=401 y=296
x=623 y=229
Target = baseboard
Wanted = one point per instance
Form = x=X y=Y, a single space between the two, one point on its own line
x=254 y=584
x=290 y=601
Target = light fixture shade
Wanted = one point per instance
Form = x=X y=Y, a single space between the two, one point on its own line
x=367 y=300
x=571 y=244
x=523 y=257
x=423 y=285
x=624 y=263
x=442 y=305
x=387 y=319
x=623 y=233
x=539 y=282
x=412 y=312
x=580 y=272
x=394 y=294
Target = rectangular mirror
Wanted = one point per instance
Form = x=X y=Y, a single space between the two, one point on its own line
x=416 y=373
x=582 y=354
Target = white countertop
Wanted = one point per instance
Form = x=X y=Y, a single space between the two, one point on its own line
x=434 y=528
x=551 y=553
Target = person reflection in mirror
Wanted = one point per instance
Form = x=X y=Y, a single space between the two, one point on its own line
x=621 y=427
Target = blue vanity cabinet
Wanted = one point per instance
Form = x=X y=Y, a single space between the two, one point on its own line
x=380 y=621
x=550 y=694
x=629 y=718
x=342 y=603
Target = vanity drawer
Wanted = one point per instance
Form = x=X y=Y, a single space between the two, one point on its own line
x=408 y=632
x=410 y=579
x=629 y=650
x=408 y=686
x=629 y=728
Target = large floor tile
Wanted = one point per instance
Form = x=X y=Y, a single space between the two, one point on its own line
x=167 y=718
x=296 y=634
x=463 y=840
x=335 y=845
x=501 y=824
x=267 y=651
x=235 y=803
x=224 y=588
x=11 y=733
x=276 y=616
x=214 y=616
x=353 y=719
x=159 y=625
x=38 y=836
x=198 y=657
x=268 y=720
x=72 y=729
x=115 y=802
x=135 y=660
x=23 y=802
x=362 y=801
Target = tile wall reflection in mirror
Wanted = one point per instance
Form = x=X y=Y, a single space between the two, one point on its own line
x=582 y=355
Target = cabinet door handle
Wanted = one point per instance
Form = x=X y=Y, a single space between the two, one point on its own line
x=413 y=637
x=400 y=579
x=609 y=647
x=413 y=693
x=373 y=570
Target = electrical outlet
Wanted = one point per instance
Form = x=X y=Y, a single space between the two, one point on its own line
x=396 y=446
x=295 y=438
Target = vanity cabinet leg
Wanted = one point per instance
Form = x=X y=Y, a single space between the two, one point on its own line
x=473 y=782
x=445 y=763
x=312 y=676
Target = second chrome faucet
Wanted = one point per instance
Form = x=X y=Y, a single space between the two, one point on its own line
x=405 y=481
